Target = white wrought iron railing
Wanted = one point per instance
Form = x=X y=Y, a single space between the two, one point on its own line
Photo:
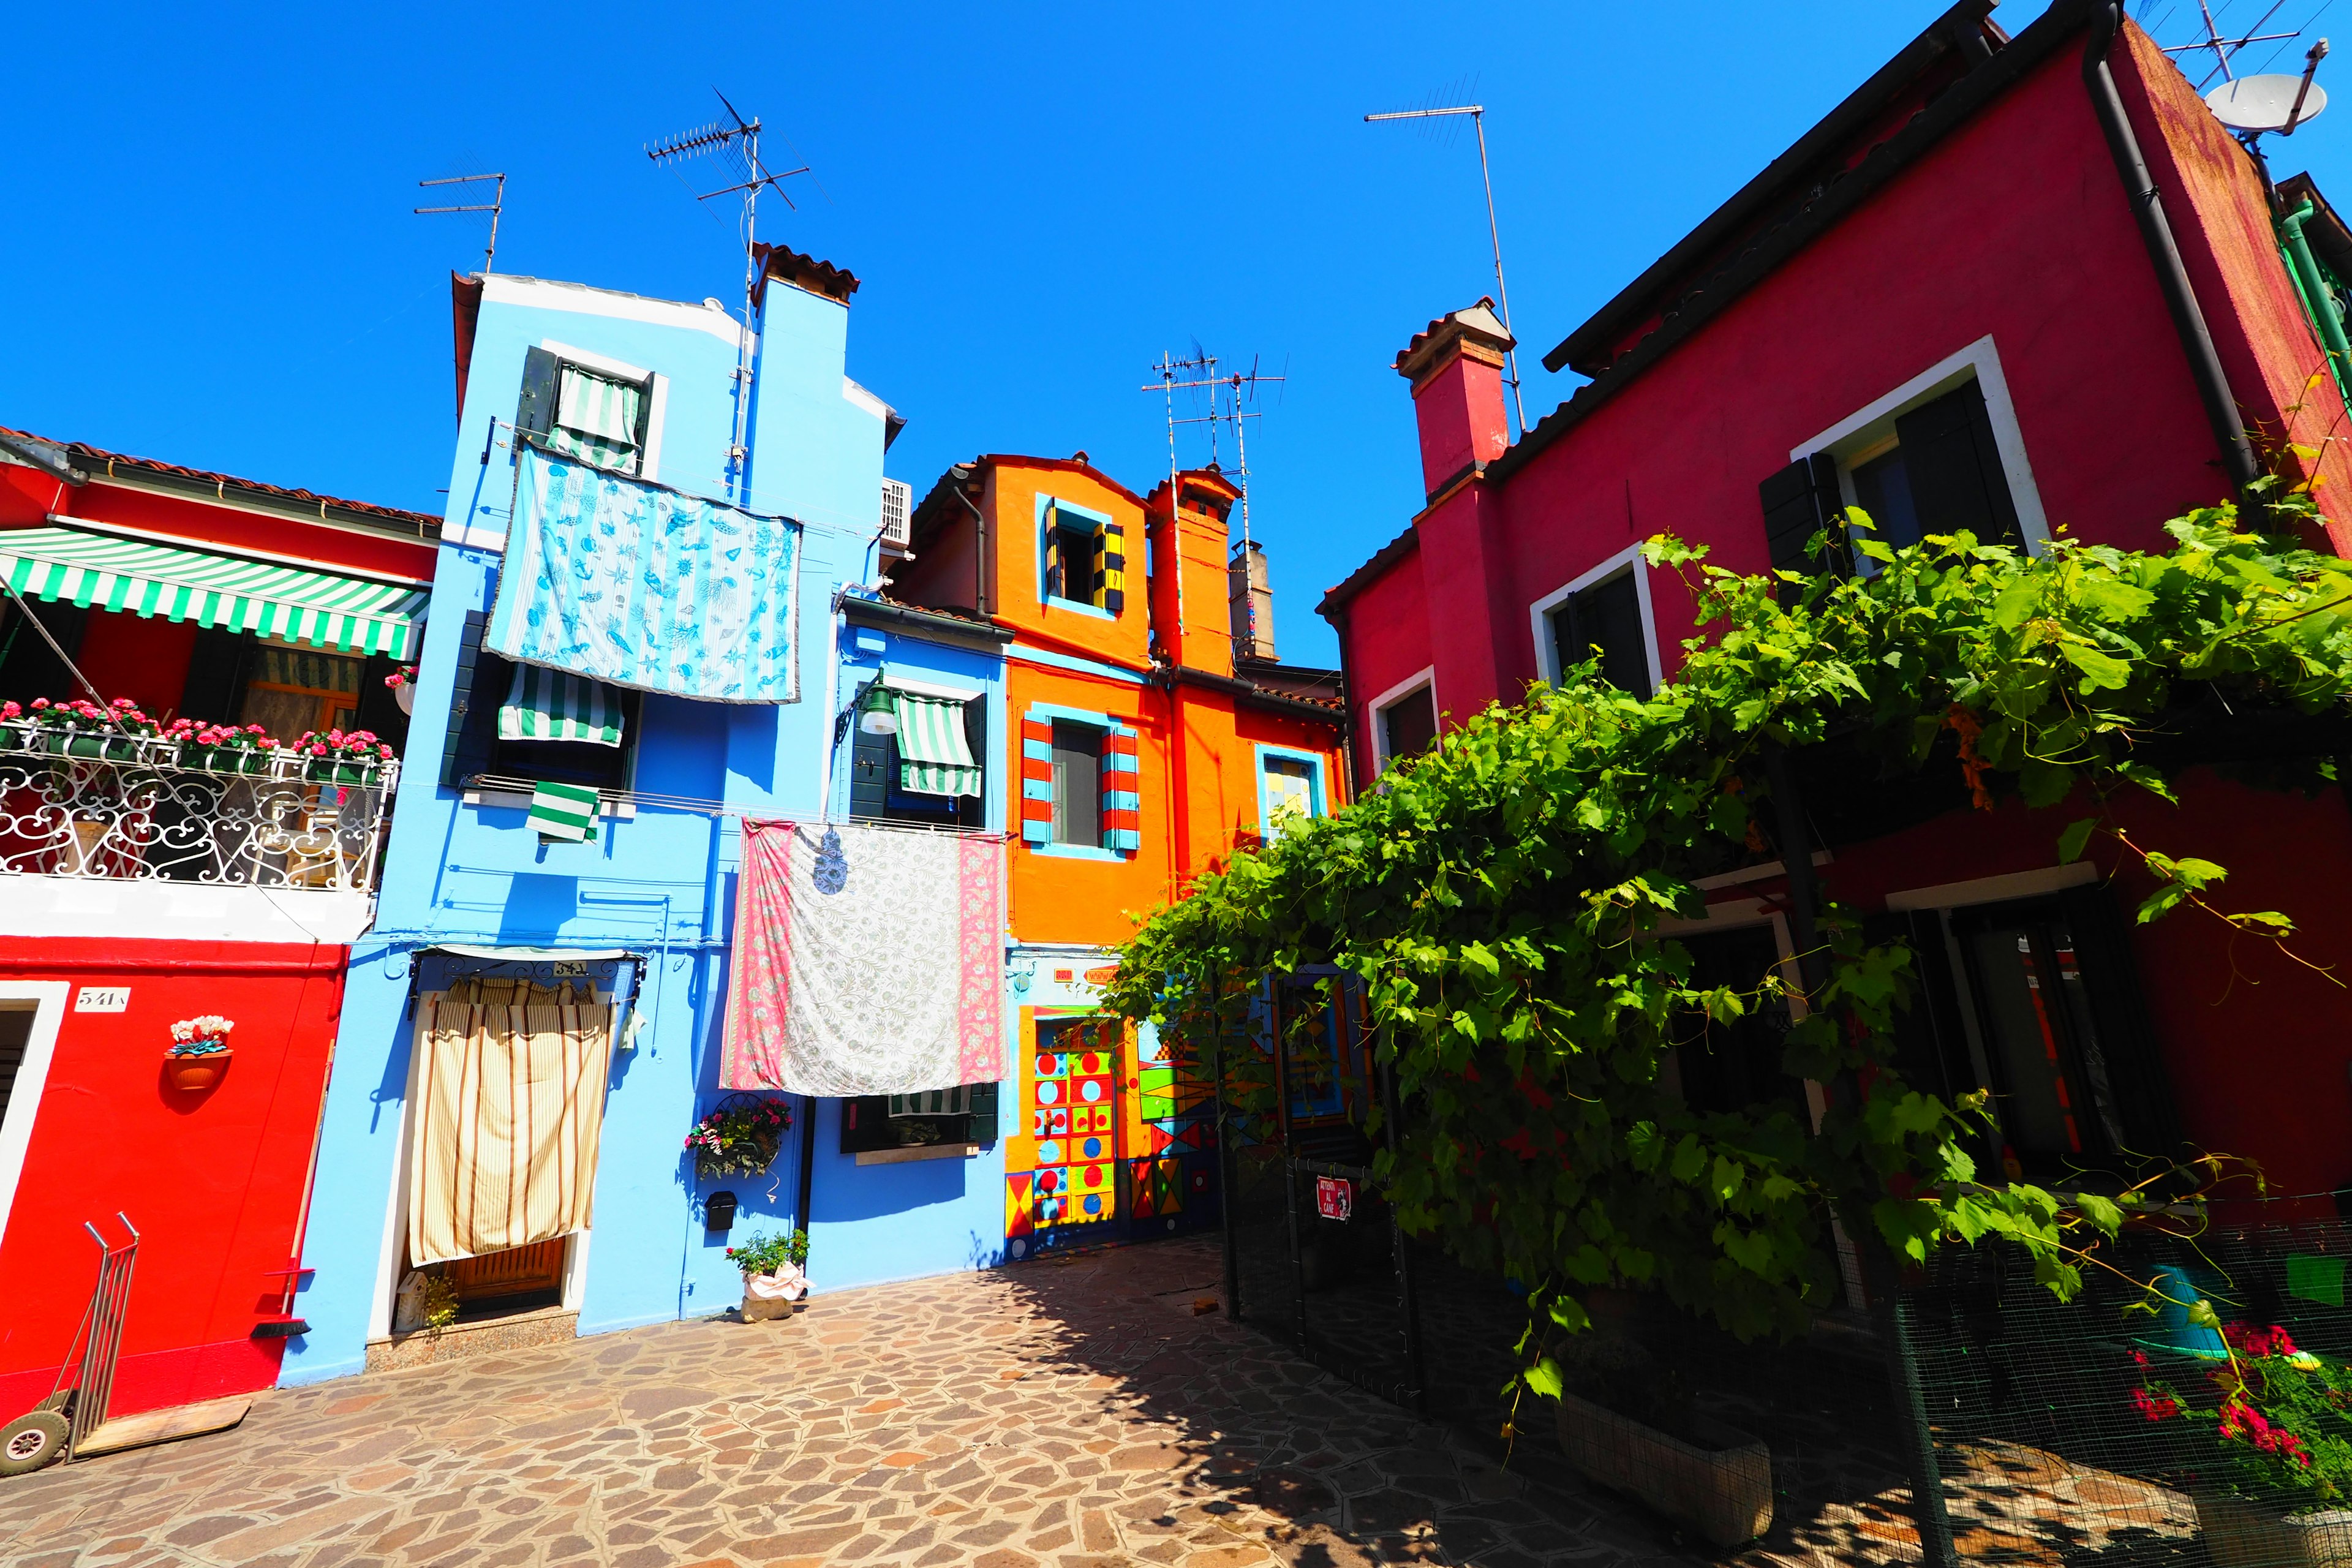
x=141 y=808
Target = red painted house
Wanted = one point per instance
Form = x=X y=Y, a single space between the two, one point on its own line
x=1944 y=304
x=156 y=869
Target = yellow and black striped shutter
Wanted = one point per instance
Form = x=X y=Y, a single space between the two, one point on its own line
x=1111 y=568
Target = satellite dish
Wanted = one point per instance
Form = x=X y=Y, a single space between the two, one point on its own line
x=2266 y=102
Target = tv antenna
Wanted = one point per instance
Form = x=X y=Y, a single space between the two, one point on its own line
x=2223 y=48
x=1477 y=113
x=1227 y=394
x=492 y=206
x=2252 y=106
x=735 y=143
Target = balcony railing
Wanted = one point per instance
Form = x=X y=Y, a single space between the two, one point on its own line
x=153 y=810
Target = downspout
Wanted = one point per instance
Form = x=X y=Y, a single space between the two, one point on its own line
x=979 y=554
x=2156 y=234
x=2318 y=303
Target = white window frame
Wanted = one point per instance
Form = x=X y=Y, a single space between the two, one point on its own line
x=1539 y=613
x=656 y=396
x=1426 y=676
x=1867 y=431
x=48 y=1000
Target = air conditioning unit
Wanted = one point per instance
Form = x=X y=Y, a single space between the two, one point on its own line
x=933 y=1101
x=898 y=513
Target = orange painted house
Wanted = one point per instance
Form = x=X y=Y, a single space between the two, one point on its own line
x=1152 y=733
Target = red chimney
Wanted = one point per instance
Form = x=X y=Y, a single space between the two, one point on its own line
x=1456 y=369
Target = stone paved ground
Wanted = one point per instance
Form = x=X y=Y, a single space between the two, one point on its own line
x=1065 y=1416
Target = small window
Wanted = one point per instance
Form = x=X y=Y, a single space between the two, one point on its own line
x=1735 y=1067
x=293 y=690
x=874 y=1123
x=1408 y=726
x=15 y=1043
x=1077 y=783
x=1085 y=558
x=1291 y=792
x=1604 y=621
x=2053 y=1092
x=1069 y=564
x=483 y=736
x=588 y=414
x=886 y=784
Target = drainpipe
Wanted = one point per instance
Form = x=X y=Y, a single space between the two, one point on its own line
x=2317 y=302
x=979 y=596
x=2156 y=233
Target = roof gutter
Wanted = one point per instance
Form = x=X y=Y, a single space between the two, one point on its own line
x=1258 y=696
x=2156 y=234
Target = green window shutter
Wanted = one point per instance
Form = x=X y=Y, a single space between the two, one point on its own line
x=984 y=1113
x=471 y=738
x=1954 y=469
x=1800 y=500
x=2135 y=1058
x=870 y=775
x=535 y=410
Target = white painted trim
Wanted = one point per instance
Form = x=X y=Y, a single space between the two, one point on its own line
x=396 y=1202
x=857 y=397
x=656 y=395
x=919 y=1152
x=241 y=552
x=575 y=1267
x=941 y=689
x=1756 y=873
x=1995 y=890
x=546 y=294
x=290 y=511
x=35 y=905
x=1425 y=676
x=48 y=999
x=610 y=807
x=1626 y=560
x=1853 y=436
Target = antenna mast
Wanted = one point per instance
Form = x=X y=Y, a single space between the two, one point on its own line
x=736 y=141
x=1230 y=386
x=1477 y=113
x=492 y=206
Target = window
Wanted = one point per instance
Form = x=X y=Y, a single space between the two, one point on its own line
x=547 y=727
x=1084 y=555
x=1290 y=788
x=1732 y=1067
x=1926 y=459
x=15 y=1043
x=1604 y=620
x=945 y=1118
x=1407 y=725
x=599 y=414
x=1077 y=783
x=291 y=691
x=889 y=782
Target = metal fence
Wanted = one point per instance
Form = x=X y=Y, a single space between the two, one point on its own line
x=144 y=811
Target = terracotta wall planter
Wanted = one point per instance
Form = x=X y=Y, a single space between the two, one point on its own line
x=2243 y=1534
x=1722 y=1493
x=193 y=1074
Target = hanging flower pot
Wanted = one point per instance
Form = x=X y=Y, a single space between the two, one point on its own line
x=199 y=1056
x=739 y=1139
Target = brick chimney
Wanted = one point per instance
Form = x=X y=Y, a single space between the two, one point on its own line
x=1456 y=369
x=1189 y=569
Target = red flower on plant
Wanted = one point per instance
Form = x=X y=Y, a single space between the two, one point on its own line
x=2156 y=1406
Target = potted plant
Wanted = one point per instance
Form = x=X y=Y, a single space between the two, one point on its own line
x=739 y=1139
x=2275 y=1429
x=403 y=682
x=773 y=1279
x=83 y=729
x=199 y=1056
x=1627 y=1423
x=342 y=756
x=221 y=748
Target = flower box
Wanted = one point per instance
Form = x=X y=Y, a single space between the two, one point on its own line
x=1723 y=1492
x=328 y=769
x=2240 y=1532
x=195 y=1074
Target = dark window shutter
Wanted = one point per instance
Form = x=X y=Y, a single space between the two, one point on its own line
x=871 y=767
x=984 y=1113
x=1409 y=725
x=1931 y=1042
x=971 y=810
x=1606 y=617
x=1955 y=470
x=218 y=666
x=378 y=708
x=1800 y=500
x=27 y=667
x=536 y=408
x=472 y=734
x=2135 y=1060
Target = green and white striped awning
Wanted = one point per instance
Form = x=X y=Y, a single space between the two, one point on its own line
x=551 y=705
x=98 y=571
x=596 y=419
x=933 y=756
x=563 y=813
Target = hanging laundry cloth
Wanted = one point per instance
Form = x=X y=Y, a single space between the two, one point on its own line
x=867 y=961
x=934 y=757
x=549 y=705
x=509 y=1111
x=562 y=813
x=642 y=586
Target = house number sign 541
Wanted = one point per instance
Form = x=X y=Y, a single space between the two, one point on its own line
x=102 y=998
x=1335 y=1196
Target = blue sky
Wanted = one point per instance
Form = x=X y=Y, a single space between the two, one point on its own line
x=213 y=262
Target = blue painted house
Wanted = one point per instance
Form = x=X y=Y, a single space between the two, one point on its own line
x=560 y=883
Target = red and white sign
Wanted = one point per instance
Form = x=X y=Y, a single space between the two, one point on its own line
x=1335 y=1196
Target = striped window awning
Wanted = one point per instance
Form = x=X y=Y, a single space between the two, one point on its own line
x=163 y=582
x=551 y=705
x=596 y=419
x=934 y=758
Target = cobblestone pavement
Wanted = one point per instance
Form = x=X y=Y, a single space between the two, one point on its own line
x=1068 y=1415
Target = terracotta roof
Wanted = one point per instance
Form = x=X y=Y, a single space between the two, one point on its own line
x=803 y=271
x=99 y=464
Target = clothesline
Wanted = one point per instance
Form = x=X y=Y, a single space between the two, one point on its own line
x=720 y=809
x=723 y=492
